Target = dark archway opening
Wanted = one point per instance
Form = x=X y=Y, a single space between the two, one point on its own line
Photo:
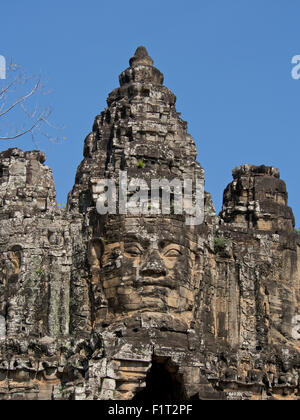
x=163 y=383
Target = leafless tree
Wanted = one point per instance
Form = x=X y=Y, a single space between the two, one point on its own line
x=22 y=107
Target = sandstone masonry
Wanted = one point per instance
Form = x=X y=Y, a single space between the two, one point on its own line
x=122 y=307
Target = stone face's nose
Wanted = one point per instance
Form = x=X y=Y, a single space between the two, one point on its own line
x=154 y=265
x=141 y=57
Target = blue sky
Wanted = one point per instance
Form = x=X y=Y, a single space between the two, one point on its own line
x=228 y=62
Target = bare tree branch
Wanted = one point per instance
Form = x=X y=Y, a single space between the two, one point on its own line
x=21 y=99
x=19 y=113
x=6 y=89
x=22 y=132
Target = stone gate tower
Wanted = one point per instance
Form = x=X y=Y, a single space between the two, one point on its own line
x=142 y=305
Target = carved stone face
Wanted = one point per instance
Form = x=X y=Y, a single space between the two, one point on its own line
x=150 y=268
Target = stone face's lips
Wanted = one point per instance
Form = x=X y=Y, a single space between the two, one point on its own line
x=159 y=282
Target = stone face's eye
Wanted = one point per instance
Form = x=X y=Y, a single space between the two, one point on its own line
x=133 y=250
x=172 y=252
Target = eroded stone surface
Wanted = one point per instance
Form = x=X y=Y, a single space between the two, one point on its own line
x=100 y=307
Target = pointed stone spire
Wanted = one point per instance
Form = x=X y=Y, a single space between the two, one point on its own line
x=141 y=57
x=140 y=124
x=141 y=70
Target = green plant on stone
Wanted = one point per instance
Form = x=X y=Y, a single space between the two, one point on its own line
x=40 y=272
x=297 y=230
x=141 y=164
x=220 y=244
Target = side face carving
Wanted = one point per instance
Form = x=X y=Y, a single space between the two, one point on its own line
x=149 y=270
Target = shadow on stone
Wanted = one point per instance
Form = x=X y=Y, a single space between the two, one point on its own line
x=163 y=383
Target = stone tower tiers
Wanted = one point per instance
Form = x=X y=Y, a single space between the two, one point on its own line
x=145 y=306
x=257 y=198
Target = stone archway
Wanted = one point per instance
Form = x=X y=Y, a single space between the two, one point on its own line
x=163 y=382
